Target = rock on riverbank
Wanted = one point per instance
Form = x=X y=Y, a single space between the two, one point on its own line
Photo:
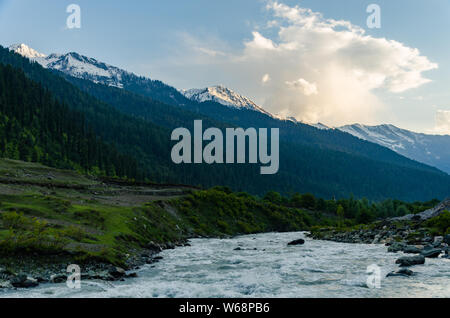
x=33 y=272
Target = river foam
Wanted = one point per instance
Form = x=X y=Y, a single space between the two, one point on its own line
x=265 y=267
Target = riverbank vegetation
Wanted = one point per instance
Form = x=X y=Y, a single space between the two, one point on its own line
x=46 y=211
x=350 y=211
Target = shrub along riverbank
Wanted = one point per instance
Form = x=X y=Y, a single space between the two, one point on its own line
x=101 y=226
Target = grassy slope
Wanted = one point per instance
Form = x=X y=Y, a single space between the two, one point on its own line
x=38 y=217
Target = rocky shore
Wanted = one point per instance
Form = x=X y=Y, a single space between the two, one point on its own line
x=408 y=234
x=31 y=271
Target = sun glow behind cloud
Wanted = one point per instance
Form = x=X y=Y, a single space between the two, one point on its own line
x=318 y=69
x=442 y=122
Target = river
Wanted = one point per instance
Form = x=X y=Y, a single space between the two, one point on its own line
x=265 y=267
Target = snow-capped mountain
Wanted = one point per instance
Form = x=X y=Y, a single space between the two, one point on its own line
x=433 y=150
x=224 y=96
x=84 y=67
x=320 y=126
x=26 y=51
x=87 y=68
x=296 y=121
x=429 y=149
x=76 y=65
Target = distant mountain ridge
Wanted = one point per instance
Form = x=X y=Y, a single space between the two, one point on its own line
x=433 y=150
x=239 y=110
x=87 y=68
x=328 y=163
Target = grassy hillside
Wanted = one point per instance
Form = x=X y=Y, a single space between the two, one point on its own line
x=58 y=213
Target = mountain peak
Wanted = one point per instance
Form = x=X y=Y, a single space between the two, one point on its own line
x=26 y=51
x=80 y=66
x=222 y=95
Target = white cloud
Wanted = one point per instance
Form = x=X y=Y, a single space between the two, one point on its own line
x=442 y=122
x=306 y=87
x=343 y=67
x=260 y=43
x=210 y=52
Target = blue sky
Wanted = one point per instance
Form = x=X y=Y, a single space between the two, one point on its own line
x=199 y=43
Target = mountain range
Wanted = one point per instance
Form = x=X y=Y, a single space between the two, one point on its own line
x=433 y=150
x=135 y=114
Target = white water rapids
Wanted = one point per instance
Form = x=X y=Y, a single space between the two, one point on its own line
x=265 y=267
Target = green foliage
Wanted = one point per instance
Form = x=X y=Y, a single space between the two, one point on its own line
x=94 y=231
x=304 y=201
x=90 y=217
x=402 y=210
x=273 y=197
x=215 y=213
x=364 y=216
x=29 y=235
x=440 y=224
x=15 y=221
x=34 y=126
x=350 y=211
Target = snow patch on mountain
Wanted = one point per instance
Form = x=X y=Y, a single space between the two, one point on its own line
x=84 y=67
x=433 y=150
x=26 y=51
x=75 y=65
x=296 y=121
x=222 y=95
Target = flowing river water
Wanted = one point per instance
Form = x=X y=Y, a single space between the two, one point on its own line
x=265 y=267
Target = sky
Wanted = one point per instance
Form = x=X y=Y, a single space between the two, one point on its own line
x=316 y=60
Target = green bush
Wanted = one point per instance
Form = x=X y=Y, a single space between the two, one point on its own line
x=16 y=221
x=440 y=224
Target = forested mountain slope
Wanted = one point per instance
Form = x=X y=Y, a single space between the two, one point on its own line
x=36 y=127
x=304 y=167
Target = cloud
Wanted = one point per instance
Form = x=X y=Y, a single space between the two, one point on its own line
x=320 y=69
x=210 y=52
x=260 y=43
x=306 y=87
x=442 y=122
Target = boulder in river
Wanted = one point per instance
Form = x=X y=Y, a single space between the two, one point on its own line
x=438 y=240
x=431 y=253
x=23 y=281
x=447 y=255
x=132 y=275
x=154 y=247
x=447 y=239
x=396 y=247
x=117 y=272
x=58 y=278
x=406 y=261
x=403 y=272
x=411 y=249
x=297 y=242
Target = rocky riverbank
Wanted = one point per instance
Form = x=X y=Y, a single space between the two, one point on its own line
x=31 y=271
x=410 y=234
